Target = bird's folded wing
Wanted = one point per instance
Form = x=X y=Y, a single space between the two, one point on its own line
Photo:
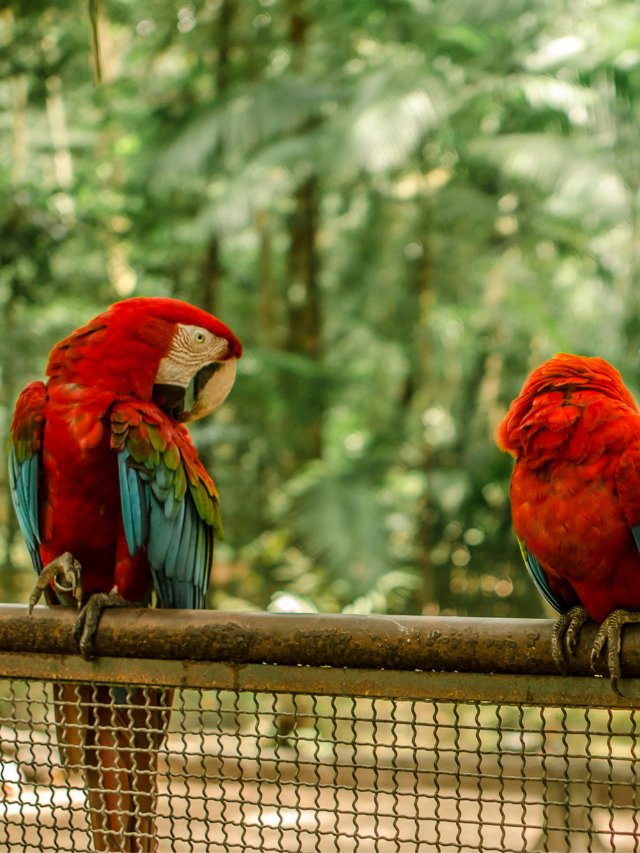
x=23 y=451
x=169 y=503
x=627 y=479
x=539 y=578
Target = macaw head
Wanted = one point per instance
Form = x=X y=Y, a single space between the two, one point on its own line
x=154 y=349
x=552 y=400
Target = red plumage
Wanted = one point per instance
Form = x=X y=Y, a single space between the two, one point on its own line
x=574 y=431
x=112 y=360
x=100 y=471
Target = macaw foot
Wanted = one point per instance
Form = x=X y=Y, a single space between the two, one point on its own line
x=64 y=571
x=86 y=625
x=565 y=634
x=610 y=635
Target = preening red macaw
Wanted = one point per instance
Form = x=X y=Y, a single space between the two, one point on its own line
x=113 y=501
x=574 y=431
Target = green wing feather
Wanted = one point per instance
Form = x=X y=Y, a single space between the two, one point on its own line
x=169 y=503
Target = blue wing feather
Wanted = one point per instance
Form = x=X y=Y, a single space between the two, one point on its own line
x=174 y=545
x=196 y=554
x=183 y=567
x=33 y=495
x=164 y=477
x=183 y=595
x=134 y=497
x=135 y=507
x=126 y=502
x=20 y=496
x=178 y=541
x=23 y=479
x=171 y=506
x=538 y=576
x=201 y=560
x=188 y=562
x=158 y=544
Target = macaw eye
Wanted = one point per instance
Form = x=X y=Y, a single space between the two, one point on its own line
x=199 y=337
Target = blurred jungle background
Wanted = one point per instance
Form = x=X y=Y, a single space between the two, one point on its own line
x=400 y=207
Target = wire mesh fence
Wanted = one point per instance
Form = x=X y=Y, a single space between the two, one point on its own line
x=87 y=766
x=105 y=768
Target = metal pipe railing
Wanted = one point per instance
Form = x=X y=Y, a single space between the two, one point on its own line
x=406 y=731
x=445 y=644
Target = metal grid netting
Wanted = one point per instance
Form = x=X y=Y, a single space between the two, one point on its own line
x=86 y=767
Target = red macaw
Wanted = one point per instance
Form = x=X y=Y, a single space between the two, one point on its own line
x=574 y=431
x=113 y=502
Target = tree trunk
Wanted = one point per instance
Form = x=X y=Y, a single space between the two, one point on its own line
x=213 y=271
x=304 y=312
x=212 y=274
x=419 y=390
x=303 y=296
x=298 y=26
x=19 y=166
x=227 y=12
x=266 y=310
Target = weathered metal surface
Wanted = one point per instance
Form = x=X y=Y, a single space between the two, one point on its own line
x=498 y=688
x=520 y=646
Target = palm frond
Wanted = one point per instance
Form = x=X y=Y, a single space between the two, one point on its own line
x=272 y=175
x=341 y=525
x=231 y=129
x=454 y=11
x=389 y=117
x=544 y=91
x=572 y=170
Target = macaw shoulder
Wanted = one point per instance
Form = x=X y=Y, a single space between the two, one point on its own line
x=148 y=434
x=28 y=420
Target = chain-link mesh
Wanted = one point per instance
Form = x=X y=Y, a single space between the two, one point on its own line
x=86 y=767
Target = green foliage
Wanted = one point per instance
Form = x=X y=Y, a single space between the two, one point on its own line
x=400 y=208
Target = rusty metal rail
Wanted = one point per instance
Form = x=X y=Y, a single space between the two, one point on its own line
x=232 y=732
x=311 y=639
x=414 y=657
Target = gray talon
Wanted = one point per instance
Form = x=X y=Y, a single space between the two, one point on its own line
x=565 y=633
x=65 y=572
x=86 y=625
x=610 y=635
x=579 y=615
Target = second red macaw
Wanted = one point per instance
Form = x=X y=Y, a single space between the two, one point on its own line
x=574 y=431
x=113 y=502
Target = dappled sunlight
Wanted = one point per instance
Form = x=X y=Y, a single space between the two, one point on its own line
x=401 y=210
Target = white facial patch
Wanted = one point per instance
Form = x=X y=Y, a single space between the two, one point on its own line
x=192 y=348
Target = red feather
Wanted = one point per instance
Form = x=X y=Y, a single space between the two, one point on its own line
x=107 y=367
x=121 y=349
x=99 y=391
x=574 y=431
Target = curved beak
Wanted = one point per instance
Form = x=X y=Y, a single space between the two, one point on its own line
x=211 y=388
